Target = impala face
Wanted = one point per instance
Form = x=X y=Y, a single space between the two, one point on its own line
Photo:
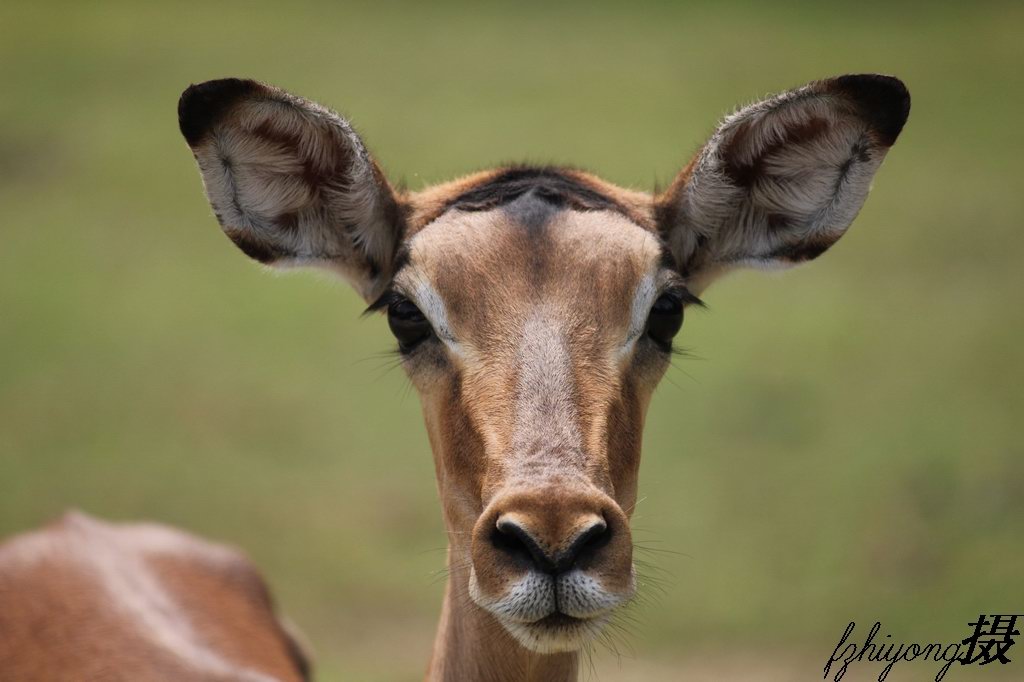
x=528 y=330
x=535 y=308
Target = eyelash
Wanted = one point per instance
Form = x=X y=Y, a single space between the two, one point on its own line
x=685 y=295
x=386 y=299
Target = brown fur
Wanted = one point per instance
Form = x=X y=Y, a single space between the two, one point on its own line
x=77 y=603
x=493 y=283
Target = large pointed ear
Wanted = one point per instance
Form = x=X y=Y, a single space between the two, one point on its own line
x=290 y=181
x=781 y=180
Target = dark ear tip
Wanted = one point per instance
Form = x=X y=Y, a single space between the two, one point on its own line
x=202 y=105
x=883 y=100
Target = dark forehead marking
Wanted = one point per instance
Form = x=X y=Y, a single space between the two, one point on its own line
x=555 y=186
x=532 y=211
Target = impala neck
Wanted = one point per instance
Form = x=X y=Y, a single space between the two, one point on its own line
x=472 y=645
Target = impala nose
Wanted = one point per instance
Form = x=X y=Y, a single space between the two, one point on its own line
x=561 y=548
x=513 y=536
x=553 y=529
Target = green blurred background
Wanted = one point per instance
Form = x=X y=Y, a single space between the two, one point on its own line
x=842 y=445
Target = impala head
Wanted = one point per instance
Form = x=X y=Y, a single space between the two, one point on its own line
x=535 y=308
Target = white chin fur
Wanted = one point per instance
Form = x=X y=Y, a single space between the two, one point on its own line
x=555 y=639
x=532 y=598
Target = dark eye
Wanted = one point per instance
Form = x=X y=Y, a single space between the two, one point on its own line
x=665 y=319
x=408 y=324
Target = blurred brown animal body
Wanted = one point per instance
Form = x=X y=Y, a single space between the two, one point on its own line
x=85 y=600
x=534 y=309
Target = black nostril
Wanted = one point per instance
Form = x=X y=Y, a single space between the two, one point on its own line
x=514 y=540
x=585 y=546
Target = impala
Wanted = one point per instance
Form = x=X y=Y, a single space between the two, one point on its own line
x=534 y=310
x=86 y=600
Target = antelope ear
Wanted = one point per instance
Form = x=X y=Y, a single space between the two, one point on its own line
x=290 y=182
x=780 y=181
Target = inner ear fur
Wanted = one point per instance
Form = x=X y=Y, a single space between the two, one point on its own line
x=291 y=182
x=780 y=180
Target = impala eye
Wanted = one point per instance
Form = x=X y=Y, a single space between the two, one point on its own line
x=408 y=324
x=665 y=319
